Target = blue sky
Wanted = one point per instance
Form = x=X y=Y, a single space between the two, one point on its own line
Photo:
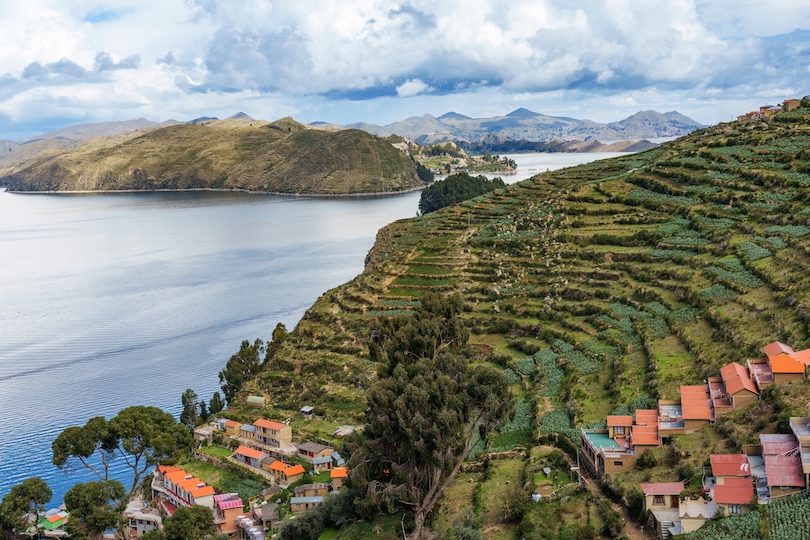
x=346 y=61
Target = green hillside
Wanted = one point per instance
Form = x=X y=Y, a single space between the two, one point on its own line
x=283 y=156
x=597 y=288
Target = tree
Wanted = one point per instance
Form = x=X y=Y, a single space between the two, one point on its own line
x=216 y=405
x=203 y=411
x=279 y=335
x=148 y=436
x=26 y=498
x=94 y=508
x=96 y=437
x=241 y=367
x=455 y=188
x=189 y=414
x=425 y=408
x=190 y=523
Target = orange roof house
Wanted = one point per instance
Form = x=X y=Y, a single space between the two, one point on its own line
x=785 y=365
x=735 y=491
x=278 y=466
x=697 y=408
x=268 y=424
x=339 y=475
x=776 y=348
x=294 y=470
x=803 y=357
x=615 y=420
x=248 y=452
x=729 y=465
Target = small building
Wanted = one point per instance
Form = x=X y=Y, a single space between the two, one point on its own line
x=311 y=490
x=268 y=515
x=227 y=507
x=272 y=434
x=307 y=411
x=172 y=487
x=739 y=386
x=697 y=409
x=292 y=474
x=791 y=104
x=247 y=431
x=320 y=464
x=783 y=464
x=783 y=363
x=339 y=476
x=725 y=466
x=204 y=433
x=734 y=496
x=53 y=520
x=250 y=457
x=232 y=428
x=270 y=493
x=310 y=450
x=661 y=495
x=141 y=518
x=256 y=400
x=337 y=460
x=300 y=504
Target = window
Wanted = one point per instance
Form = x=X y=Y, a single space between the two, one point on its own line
x=734 y=508
x=619 y=430
x=658 y=500
x=618 y=464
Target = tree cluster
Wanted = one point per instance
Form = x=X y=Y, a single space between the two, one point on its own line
x=248 y=362
x=187 y=523
x=454 y=189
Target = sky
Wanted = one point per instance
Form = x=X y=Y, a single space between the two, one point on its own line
x=345 y=61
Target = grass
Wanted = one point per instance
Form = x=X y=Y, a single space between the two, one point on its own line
x=216 y=451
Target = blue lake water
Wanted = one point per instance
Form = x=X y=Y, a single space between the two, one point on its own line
x=113 y=300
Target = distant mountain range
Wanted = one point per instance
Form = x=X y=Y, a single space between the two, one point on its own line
x=525 y=125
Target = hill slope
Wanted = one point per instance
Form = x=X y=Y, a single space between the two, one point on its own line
x=237 y=153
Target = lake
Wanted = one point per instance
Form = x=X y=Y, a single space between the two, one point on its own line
x=112 y=300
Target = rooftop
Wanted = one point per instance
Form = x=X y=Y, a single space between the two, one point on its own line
x=776 y=348
x=340 y=472
x=803 y=357
x=695 y=403
x=785 y=364
x=662 y=488
x=294 y=470
x=250 y=452
x=730 y=465
x=304 y=500
x=312 y=447
x=734 y=491
x=777 y=443
x=616 y=420
x=784 y=471
x=600 y=441
x=268 y=424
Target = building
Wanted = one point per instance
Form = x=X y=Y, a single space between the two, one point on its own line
x=268 y=516
x=53 y=522
x=311 y=490
x=320 y=464
x=733 y=389
x=227 y=508
x=141 y=518
x=784 y=472
x=307 y=410
x=662 y=500
x=272 y=434
x=791 y=104
x=250 y=457
x=781 y=359
x=339 y=475
x=310 y=450
x=247 y=432
x=725 y=466
x=697 y=407
x=232 y=428
x=300 y=504
x=270 y=493
x=173 y=487
x=204 y=433
x=256 y=400
x=292 y=474
x=800 y=425
x=734 y=496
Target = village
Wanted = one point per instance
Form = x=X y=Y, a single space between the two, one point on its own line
x=777 y=467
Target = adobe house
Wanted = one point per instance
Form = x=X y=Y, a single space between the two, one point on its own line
x=618 y=448
x=232 y=428
x=292 y=474
x=697 y=407
x=250 y=457
x=661 y=495
x=273 y=434
x=311 y=490
x=783 y=365
x=247 y=431
x=339 y=475
x=734 y=496
x=739 y=385
x=310 y=450
x=791 y=104
x=725 y=466
x=300 y=504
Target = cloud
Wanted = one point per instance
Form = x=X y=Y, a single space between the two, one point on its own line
x=412 y=87
x=65 y=67
x=102 y=16
x=105 y=62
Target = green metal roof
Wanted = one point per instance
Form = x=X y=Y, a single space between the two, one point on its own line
x=602 y=441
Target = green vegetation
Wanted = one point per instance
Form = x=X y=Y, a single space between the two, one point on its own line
x=282 y=156
x=94 y=508
x=455 y=188
x=28 y=497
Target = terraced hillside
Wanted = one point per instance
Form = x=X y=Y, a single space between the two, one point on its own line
x=282 y=156
x=597 y=289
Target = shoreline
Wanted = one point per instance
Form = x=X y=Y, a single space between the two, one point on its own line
x=215 y=190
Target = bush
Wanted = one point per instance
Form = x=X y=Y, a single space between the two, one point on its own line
x=454 y=189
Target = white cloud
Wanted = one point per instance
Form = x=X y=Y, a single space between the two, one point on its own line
x=412 y=87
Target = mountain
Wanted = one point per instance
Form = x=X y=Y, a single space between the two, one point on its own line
x=283 y=156
x=98 y=129
x=239 y=115
x=597 y=290
x=523 y=124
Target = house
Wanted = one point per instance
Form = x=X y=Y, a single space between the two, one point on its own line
x=227 y=508
x=800 y=425
x=738 y=385
x=204 y=433
x=250 y=457
x=618 y=448
x=670 y=417
x=53 y=520
x=247 y=431
x=307 y=411
x=734 y=496
x=791 y=104
x=232 y=428
x=337 y=460
x=784 y=473
x=662 y=500
x=310 y=450
x=725 y=466
x=249 y=527
x=267 y=515
x=311 y=490
x=697 y=407
x=619 y=426
x=276 y=467
x=292 y=474
x=339 y=475
x=661 y=495
x=272 y=434
x=141 y=518
x=173 y=487
x=270 y=493
x=320 y=464
x=782 y=362
x=300 y=504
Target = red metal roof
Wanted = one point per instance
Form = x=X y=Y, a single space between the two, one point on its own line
x=615 y=420
x=784 y=471
x=730 y=465
x=232 y=423
x=645 y=436
x=662 y=488
x=737 y=378
x=777 y=443
x=775 y=348
x=249 y=452
x=695 y=403
x=734 y=491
